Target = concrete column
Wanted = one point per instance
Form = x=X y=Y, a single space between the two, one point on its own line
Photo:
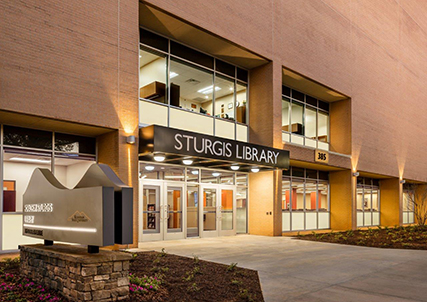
x=265 y=207
x=390 y=202
x=343 y=200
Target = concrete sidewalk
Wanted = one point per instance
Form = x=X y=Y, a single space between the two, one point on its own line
x=294 y=270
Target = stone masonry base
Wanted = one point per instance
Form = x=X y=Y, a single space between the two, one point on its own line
x=77 y=275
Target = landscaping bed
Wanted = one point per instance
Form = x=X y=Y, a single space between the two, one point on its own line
x=191 y=279
x=153 y=277
x=408 y=237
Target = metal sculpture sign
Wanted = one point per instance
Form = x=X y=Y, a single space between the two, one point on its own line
x=98 y=211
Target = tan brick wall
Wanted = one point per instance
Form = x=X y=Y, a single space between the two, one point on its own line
x=390 y=199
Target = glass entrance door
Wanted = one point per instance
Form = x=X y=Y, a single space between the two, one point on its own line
x=162 y=212
x=218 y=217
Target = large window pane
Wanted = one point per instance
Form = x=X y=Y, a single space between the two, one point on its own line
x=241 y=211
x=360 y=199
x=323 y=128
x=375 y=201
x=242 y=111
x=310 y=196
x=74 y=144
x=286 y=194
x=151 y=209
x=224 y=98
x=297 y=118
x=191 y=87
x=24 y=137
x=367 y=199
x=310 y=122
x=192 y=211
x=152 y=76
x=297 y=202
x=286 y=110
x=323 y=196
x=18 y=168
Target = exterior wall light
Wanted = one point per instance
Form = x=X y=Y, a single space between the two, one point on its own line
x=187 y=161
x=356 y=174
x=149 y=168
x=130 y=139
x=235 y=167
x=254 y=169
x=159 y=157
x=402 y=181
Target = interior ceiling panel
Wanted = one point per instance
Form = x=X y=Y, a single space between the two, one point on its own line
x=172 y=27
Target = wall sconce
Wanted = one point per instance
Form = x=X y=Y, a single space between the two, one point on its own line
x=130 y=139
x=402 y=181
x=356 y=174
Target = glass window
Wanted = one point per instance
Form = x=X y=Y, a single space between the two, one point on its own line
x=241 y=213
x=224 y=98
x=241 y=179
x=24 y=137
x=174 y=173
x=286 y=110
x=286 y=194
x=152 y=76
x=323 y=196
x=297 y=202
x=191 y=87
x=153 y=40
x=150 y=171
x=297 y=117
x=225 y=68
x=310 y=195
x=310 y=122
x=367 y=199
x=375 y=201
x=360 y=199
x=191 y=55
x=323 y=127
x=242 y=111
x=226 y=178
x=209 y=176
x=74 y=144
x=193 y=175
x=192 y=211
x=151 y=209
x=18 y=167
x=70 y=169
x=242 y=74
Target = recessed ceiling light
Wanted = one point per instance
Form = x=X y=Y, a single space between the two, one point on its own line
x=235 y=167
x=255 y=169
x=149 y=168
x=173 y=74
x=159 y=157
x=208 y=90
x=187 y=161
x=216 y=174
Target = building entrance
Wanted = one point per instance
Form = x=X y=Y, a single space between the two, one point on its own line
x=183 y=208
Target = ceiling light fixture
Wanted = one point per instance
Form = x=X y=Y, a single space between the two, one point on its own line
x=216 y=174
x=255 y=169
x=195 y=172
x=235 y=167
x=31 y=160
x=149 y=168
x=173 y=74
x=159 y=157
x=187 y=161
x=208 y=90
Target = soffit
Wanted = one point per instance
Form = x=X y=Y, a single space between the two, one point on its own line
x=310 y=87
x=41 y=123
x=191 y=35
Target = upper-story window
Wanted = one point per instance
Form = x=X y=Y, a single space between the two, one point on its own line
x=183 y=78
x=305 y=120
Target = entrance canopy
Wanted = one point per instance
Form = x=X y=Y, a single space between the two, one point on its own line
x=183 y=147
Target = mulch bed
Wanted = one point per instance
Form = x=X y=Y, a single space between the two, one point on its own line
x=160 y=277
x=409 y=237
x=191 y=279
x=18 y=289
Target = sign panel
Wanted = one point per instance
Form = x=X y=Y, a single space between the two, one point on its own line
x=321 y=156
x=168 y=140
x=89 y=214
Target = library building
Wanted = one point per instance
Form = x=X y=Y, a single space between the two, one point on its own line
x=221 y=126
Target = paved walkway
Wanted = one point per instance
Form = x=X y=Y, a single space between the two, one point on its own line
x=294 y=270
